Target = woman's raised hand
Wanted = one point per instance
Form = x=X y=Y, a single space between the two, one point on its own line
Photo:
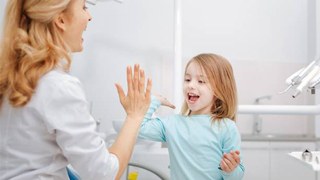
x=137 y=100
x=136 y=103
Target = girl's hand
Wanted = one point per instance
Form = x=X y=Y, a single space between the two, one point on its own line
x=164 y=101
x=230 y=161
x=137 y=100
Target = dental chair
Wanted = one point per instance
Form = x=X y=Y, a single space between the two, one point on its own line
x=153 y=171
x=72 y=174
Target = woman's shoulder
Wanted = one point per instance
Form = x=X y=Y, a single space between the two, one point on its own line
x=58 y=76
x=57 y=82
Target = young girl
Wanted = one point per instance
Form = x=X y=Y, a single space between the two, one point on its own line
x=45 y=122
x=203 y=142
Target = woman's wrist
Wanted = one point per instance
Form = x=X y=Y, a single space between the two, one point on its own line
x=135 y=117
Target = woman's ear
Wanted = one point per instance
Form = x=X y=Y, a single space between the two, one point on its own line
x=59 y=21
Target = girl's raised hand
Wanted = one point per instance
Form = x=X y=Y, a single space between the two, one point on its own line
x=164 y=101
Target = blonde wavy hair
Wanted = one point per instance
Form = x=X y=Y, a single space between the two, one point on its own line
x=31 y=46
x=220 y=74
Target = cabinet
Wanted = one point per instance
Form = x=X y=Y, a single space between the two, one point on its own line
x=255 y=156
x=269 y=160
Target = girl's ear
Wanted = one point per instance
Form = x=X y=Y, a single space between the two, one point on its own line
x=59 y=21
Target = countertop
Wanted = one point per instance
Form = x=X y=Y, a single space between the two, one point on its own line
x=278 y=137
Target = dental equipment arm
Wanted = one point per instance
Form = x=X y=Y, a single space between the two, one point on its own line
x=314 y=82
x=308 y=76
x=297 y=77
x=305 y=81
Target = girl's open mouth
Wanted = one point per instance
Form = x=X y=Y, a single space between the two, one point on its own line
x=192 y=98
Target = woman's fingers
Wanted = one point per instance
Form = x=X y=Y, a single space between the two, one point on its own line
x=148 y=90
x=137 y=99
x=136 y=78
x=129 y=80
x=142 y=82
x=120 y=93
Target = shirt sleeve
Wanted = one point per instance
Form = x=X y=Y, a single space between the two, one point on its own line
x=232 y=141
x=67 y=116
x=152 y=128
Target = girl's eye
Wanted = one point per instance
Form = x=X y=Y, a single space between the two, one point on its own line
x=187 y=80
x=201 y=82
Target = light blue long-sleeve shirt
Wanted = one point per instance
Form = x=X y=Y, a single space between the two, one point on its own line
x=195 y=144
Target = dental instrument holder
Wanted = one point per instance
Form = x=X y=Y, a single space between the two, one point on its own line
x=308 y=76
x=314 y=83
x=306 y=155
x=308 y=158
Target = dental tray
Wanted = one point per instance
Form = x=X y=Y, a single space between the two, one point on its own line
x=312 y=161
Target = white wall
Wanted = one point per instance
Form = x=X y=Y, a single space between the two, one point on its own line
x=265 y=30
x=138 y=31
x=266 y=41
x=2 y=9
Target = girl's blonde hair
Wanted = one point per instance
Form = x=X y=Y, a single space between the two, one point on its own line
x=31 y=46
x=220 y=74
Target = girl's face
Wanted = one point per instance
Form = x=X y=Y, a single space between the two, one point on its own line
x=75 y=20
x=197 y=90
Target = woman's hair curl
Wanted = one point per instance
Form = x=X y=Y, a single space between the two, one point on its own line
x=31 y=46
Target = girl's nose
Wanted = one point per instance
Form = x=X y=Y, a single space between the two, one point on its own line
x=191 y=84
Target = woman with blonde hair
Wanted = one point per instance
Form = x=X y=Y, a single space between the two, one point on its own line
x=45 y=123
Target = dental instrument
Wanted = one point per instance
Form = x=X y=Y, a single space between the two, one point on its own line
x=306 y=155
x=305 y=81
x=298 y=76
x=294 y=79
x=314 y=82
x=308 y=76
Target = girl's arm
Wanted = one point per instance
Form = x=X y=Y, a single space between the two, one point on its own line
x=231 y=164
x=152 y=128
